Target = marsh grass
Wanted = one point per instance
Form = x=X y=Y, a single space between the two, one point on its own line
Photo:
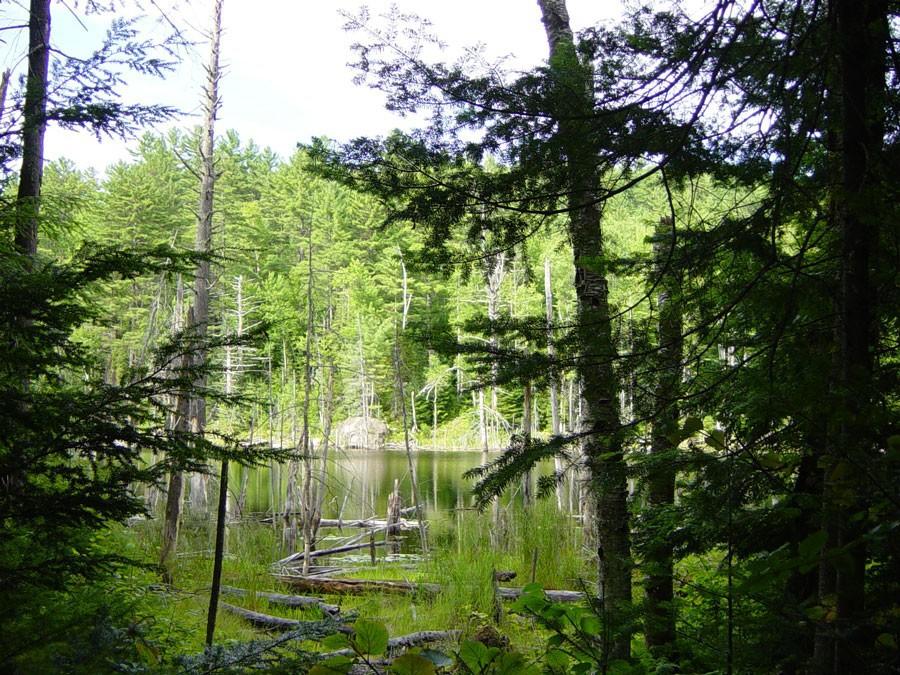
x=462 y=561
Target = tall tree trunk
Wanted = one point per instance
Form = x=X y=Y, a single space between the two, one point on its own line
x=494 y=272
x=861 y=28
x=363 y=382
x=553 y=380
x=202 y=284
x=221 y=517
x=203 y=243
x=602 y=444
x=328 y=417
x=526 y=440
x=178 y=424
x=413 y=475
x=308 y=506
x=659 y=623
x=198 y=316
x=34 y=124
x=4 y=88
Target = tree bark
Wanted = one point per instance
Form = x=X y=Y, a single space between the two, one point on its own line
x=201 y=300
x=553 y=380
x=34 y=124
x=221 y=516
x=413 y=474
x=600 y=425
x=659 y=622
x=861 y=32
x=307 y=500
x=178 y=424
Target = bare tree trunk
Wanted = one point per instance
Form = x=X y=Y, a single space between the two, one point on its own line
x=553 y=380
x=221 y=517
x=273 y=466
x=4 y=87
x=407 y=296
x=413 y=476
x=494 y=272
x=178 y=423
x=602 y=445
x=202 y=284
x=363 y=382
x=482 y=425
x=659 y=624
x=34 y=124
x=526 y=440
x=245 y=474
x=308 y=506
x=861 y=35
x=320 y=485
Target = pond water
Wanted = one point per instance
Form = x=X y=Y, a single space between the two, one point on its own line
x=359 y=482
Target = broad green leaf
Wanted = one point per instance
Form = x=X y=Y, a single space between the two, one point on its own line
x=811 y=546
x=412 y=664
x=887 y=640
x=336 y=641
x=476 y=656
x=557 y=658
x=716 y=439
x=369 y=637
x=556 y=640
x=692 y=425
x=590 y=625
x=533 y=589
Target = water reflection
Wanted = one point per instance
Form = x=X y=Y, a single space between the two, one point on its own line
x=359 y=482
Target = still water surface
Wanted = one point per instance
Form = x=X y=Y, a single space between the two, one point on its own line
x=359 y=482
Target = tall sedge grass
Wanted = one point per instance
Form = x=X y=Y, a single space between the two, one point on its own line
x=462 y=561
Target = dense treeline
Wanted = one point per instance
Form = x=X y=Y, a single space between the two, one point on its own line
x=368 y=282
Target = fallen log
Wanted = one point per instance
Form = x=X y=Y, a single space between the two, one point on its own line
x=299 y=555
x=379 y=523
x=284 y=600
x=552 y=595
x=334 y=586
x=355 y=586
x=421 y=637
x=263 y=620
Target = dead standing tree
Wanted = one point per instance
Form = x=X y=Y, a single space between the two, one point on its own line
x=198 y=316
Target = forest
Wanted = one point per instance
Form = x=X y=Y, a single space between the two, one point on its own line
x=592 y=369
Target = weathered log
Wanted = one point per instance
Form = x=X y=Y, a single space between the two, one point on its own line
x=355 y=586
x=421 y=637
x=365 y=523
x=263 y=620
x=284 y=600
x=299 y=555
x=552 y=595
x=334 y=586
x=375 y=523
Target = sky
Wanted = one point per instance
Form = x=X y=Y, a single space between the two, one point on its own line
x=286 y=75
